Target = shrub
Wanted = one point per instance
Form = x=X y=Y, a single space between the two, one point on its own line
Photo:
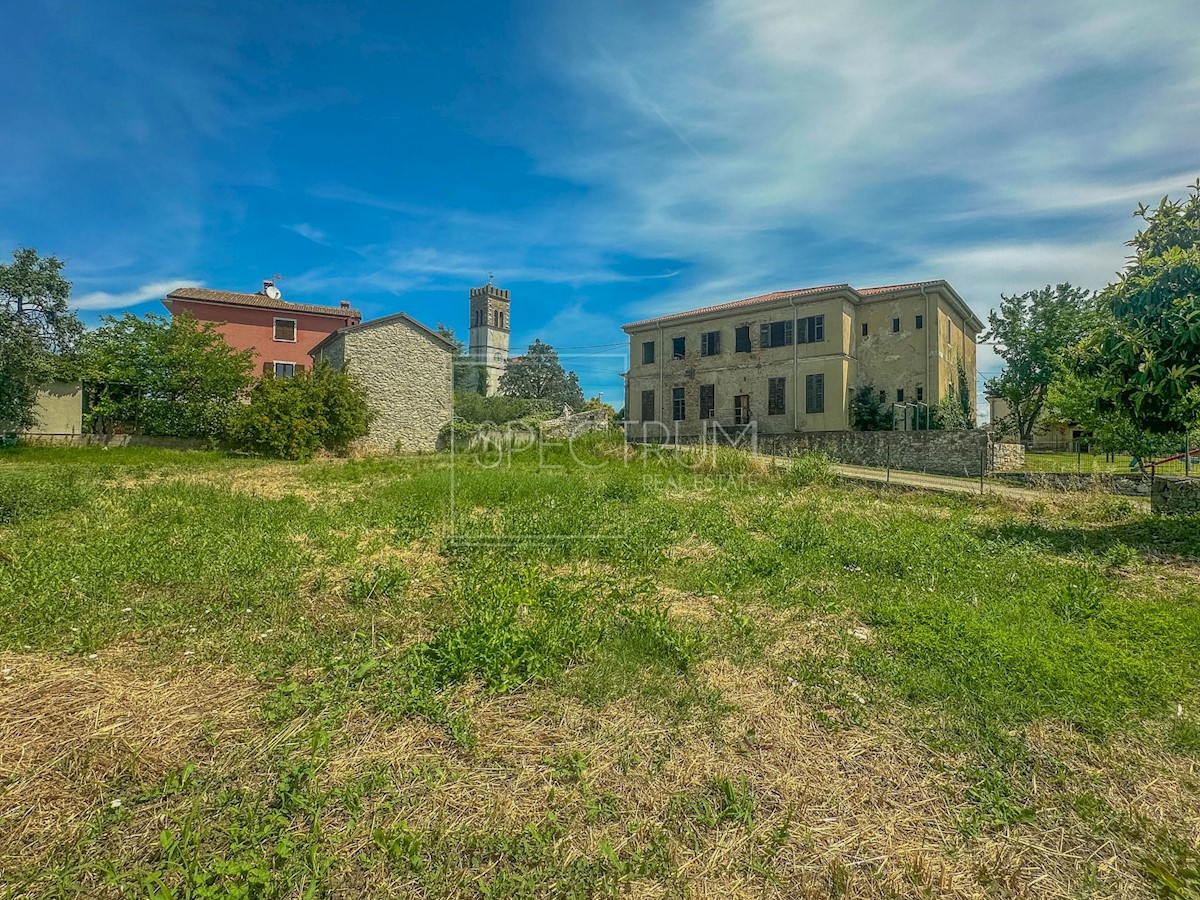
x=292 y=418
x=475 y=408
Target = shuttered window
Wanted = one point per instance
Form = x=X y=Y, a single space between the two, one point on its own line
x=648 y=413
x=776 y=396
x=708 y=401
x=647 y=353
x=710 y=343
x=678 y=348
x=812 y=329
x=776 y=334
x=814 y=393
x=285 y=330
x=678 y=405
x=741 y=409
x=741 y=339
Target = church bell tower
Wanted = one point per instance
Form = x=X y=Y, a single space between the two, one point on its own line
x=488 y=342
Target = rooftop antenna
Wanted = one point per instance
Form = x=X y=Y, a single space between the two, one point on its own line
x=489 y=277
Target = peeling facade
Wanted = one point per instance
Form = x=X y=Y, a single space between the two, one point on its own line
x=790 y=361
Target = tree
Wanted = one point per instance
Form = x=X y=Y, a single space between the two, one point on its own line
x=1145 y=363
x=954 y=410
x=469 y=376
x=538 y=375
x=869 y=411
x=1033 y=331
x=163 y=376
x=36 y=329
x=292 y=418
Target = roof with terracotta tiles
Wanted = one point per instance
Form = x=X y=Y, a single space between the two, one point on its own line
x=773 y=297
x=859 y=293
x=375 y=323
x=234 y=298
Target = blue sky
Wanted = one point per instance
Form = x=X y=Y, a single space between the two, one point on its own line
x=607 y=161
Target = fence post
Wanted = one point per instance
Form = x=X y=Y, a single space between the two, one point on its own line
x=1078 y=457
x=982 y=465
x=1153 y=473
x=889 y=462
x=1187 y=453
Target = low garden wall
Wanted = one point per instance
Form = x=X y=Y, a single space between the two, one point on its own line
x=114 y=440
x=1134 y=484
x=1176 y=496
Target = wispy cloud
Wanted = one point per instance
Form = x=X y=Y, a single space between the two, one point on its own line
x=154 y=290
x=316 y=235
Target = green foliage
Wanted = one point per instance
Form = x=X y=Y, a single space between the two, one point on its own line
x=162 y=376
x=1146 y=361
x=538 y=375
x=469 y=376
x=28 y=495
x=954 y=410
x=36 y=329
x=1033 y=333
x=869 y=411
x=292 y=418
x=501 y=409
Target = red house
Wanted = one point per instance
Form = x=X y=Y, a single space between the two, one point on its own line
x=280 y=333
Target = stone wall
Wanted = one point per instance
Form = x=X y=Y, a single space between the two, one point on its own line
x=1176 y=496
x=1007 y=457
x=114 y=440
x=960 y=453
x=407 y=373
x=1132 y=485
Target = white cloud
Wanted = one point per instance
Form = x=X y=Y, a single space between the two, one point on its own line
x=316 y=235
x=154 y=290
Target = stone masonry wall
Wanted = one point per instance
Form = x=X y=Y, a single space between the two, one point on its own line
x=1132 y=485
x=1007 y=457
x=941 y=452
x=408 y=378
x=1176 y=496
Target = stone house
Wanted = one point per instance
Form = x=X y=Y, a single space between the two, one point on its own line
x=407 y=370
x=790 y=361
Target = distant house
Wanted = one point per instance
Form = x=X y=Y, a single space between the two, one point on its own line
x=1045 y=436
x=281 y=334
x=407 y=370
x=791 y=361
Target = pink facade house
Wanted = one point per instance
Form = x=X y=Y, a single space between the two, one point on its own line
x=281 y=333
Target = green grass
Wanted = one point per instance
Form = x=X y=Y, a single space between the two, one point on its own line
x=572 y=678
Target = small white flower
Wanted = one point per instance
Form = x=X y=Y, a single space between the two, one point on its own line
x=116 y=804
x=792 y=681
x=91 y=656
x=127 y=609
x=188 y=652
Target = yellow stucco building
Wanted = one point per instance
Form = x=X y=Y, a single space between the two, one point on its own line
x=790 y=360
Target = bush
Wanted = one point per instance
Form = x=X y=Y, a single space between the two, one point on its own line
x=292 y=418
x=501 y=410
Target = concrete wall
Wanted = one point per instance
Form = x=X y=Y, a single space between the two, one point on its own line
x=407 y=374
x=58 y=409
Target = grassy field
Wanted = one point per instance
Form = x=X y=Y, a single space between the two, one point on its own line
x=581 y=675
x=1087 y=464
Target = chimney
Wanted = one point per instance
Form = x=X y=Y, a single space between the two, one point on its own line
x=345 y=304
x=267 y=285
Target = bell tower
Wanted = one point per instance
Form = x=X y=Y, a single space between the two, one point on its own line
x=488 y=341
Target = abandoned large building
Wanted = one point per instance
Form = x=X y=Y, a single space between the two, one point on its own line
x=791 y=360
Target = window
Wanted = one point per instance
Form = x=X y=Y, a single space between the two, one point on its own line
x=899 y=395
x=678 y=405
x=776 y=396
x=285 y=330
x=864 y=329
x=708 y=400
x=776 y=334
x=814 y=393
x=647 y=353
x=710 y=343
x=812 y=329
x=895 y=326
x=920 y=395
x=285 y=370
x=920 y=322
x=741 y=339
x=741 y=409
x=648 y=413
x=678 y=347
x=883 y=396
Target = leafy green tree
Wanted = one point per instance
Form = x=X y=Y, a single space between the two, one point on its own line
x=37 y=328
x=293 y=418
x=477 y=409
x=1033 y=332
x=538 y=375
x=1145 y=363
x=1077 y=399
x=954 y=410
x=162 y=376
x=469 y=375
x=869 y=411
